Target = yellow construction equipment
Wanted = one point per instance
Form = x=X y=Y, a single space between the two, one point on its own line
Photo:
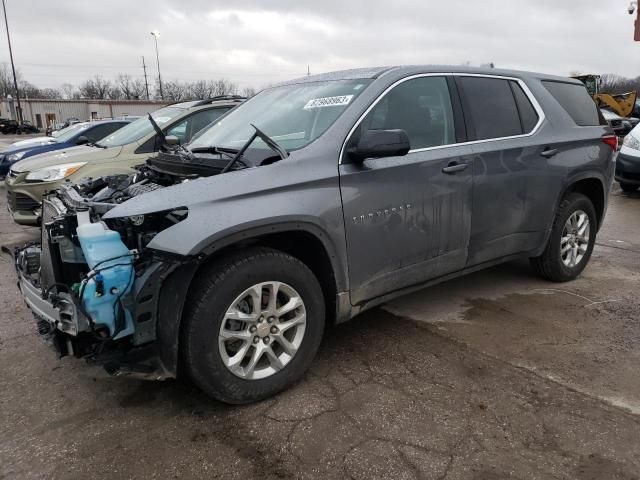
x=621 y=103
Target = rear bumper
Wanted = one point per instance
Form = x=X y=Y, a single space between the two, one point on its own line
x=627 y=169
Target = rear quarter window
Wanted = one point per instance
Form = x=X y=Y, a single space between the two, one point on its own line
x=575 y=100
x=528 y=115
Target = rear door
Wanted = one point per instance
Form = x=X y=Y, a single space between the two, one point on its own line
x=502 y=124
x=407 y=220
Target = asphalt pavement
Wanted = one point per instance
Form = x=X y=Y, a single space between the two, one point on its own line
x=495 y=375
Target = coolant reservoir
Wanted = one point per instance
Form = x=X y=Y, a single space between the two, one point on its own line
x=107 y=255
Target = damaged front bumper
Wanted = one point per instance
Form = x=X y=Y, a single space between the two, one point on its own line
x=62 y=325
x=46 y=273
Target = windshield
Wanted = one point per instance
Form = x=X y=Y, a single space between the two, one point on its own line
x=57 y=133
x=71 y=131
x=292 y=115
x=140 y=128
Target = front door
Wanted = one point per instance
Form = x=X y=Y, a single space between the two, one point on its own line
x=408 y=218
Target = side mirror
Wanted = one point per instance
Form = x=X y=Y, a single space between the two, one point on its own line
x=379 y=144
x=82 y=140
x=172 y=140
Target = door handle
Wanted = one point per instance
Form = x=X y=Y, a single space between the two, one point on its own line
x=549 y=152
x=454 y=167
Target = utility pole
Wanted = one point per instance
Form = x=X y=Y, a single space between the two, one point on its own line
x=146 y=83
x=155 y=35
x=308 y=71
x=13 y=68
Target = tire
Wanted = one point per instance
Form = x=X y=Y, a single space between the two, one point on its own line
x=628 y=187
x=551 y=264
x=217 y=290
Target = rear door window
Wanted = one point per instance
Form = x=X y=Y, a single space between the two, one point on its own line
x=575 y=99
x=186 y=129
x=100 y=131
x=490 y=107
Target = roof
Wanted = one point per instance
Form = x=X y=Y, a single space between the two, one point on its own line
x=376 y=72
x=209 y=101
x=108 y=120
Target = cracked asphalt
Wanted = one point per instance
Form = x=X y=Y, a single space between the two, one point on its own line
x=496 y=375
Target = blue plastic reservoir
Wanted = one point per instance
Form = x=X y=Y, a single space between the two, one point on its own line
x=105 y=252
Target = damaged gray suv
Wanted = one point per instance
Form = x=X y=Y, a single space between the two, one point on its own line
x=315 y=200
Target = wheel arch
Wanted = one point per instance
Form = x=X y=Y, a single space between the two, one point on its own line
x=593 y=187
x=302 y=240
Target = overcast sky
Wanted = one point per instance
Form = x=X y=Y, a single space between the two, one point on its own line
x=259 y=42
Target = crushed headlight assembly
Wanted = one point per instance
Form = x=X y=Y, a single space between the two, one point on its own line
x=14 y=157
x=55 y=172
x=631 y=142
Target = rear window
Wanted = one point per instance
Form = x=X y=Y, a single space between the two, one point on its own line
x=492 y=107
x=575 y=100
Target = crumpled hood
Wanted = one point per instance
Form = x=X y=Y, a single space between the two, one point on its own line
x=32 y=142
x=81 y=153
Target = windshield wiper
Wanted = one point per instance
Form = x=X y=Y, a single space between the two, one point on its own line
x=158 y=130
x=229 y=152
x=95 y=144
x=179 y=149
x=272 y=144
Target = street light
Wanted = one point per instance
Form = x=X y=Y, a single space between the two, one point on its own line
x=155 y=34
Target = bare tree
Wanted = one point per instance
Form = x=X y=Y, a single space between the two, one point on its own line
x=174 y=91
x=95 y=88
x=223 y=87
x=130 y=88
x=68 y=91
x=248 y=92
x=50 y=93
x=6 y=80
x=199 y=90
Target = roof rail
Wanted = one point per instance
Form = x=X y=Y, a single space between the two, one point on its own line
x=207 y=101
x=218 y=98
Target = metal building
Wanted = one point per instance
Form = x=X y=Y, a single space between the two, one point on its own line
x=42 y=113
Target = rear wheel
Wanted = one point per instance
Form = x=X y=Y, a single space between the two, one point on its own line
x=571 y=241
x=254 y=326
x=628 y=187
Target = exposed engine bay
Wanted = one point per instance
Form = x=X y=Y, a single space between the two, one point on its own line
x=92 y=283
x=85 y=280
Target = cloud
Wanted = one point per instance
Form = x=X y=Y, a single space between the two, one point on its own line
x=256 y=43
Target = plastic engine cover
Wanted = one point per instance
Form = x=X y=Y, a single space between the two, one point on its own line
x=105 y=252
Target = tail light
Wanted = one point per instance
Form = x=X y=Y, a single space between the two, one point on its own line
x=611 y=140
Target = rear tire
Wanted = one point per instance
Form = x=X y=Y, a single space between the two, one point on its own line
x=628 y=187
x=569 y=248
x=221 y=326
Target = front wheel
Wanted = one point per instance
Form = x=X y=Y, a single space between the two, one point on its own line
x=254 y=325
x=628 y=187
x=571 y=242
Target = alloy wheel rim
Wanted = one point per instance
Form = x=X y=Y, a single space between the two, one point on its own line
x=262 y=330
x=575 y=238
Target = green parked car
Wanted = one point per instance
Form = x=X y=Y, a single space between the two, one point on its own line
x=30 y=179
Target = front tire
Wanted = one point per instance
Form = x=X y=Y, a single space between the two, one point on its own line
x=628 y=187
x=254 y=325
x=571 y=241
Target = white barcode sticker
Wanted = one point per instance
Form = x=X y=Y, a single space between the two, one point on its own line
x=340 y=100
